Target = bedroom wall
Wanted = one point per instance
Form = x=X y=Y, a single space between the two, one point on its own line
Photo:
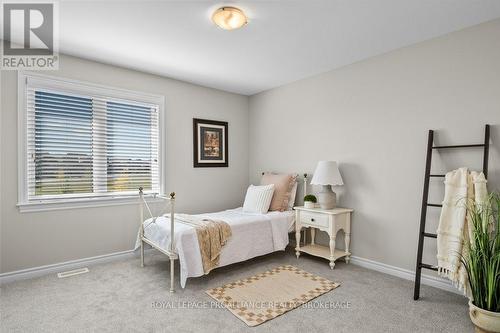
x=35 y=239
x=373 y=117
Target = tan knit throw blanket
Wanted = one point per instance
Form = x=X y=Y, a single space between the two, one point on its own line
x=212 y=236
x=461 y=186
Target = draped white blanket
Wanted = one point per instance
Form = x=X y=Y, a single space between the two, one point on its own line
x=252 y=235
x=461 y=186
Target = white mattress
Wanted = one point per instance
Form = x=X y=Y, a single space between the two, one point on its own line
x=252 y=235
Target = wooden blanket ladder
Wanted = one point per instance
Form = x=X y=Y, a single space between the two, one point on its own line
x=425 y=204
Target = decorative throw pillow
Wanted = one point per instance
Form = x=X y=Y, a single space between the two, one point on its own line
x=291 y=201
x=283 y=185
x=258 y=199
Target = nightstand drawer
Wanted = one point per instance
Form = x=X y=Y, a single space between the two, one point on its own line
x=314 y=220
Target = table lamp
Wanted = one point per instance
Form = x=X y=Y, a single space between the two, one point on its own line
x=327 y=174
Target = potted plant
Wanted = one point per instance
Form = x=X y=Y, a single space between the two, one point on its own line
x=482 y=263
x=309 y=201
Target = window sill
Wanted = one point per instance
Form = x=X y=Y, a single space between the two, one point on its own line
x=62 y=204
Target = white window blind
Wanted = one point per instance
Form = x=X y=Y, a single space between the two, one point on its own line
x=83 y=144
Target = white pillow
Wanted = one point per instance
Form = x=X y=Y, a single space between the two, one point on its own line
x=258 y=199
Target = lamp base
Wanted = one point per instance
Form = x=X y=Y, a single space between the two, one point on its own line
x=327 y=198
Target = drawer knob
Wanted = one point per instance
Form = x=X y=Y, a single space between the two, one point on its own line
x=312 y=220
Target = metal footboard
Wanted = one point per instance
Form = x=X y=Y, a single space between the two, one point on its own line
x=170 y=252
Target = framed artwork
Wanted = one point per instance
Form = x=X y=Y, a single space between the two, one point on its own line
x=210 y=143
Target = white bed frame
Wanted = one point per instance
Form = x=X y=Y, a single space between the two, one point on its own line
x=170 y=206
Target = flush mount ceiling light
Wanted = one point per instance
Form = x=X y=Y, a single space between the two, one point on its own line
x=229 y=18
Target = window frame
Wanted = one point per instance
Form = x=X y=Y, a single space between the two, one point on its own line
x=71 y=86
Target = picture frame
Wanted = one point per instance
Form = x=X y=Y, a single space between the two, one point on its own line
x=210 y=143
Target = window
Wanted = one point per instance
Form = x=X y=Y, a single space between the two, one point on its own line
x=84 y=141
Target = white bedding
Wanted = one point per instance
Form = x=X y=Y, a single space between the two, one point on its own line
x=252 y=235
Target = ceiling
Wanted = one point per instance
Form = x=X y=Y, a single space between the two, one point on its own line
x=284 y=41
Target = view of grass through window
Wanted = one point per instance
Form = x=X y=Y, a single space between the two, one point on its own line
x=63 y=144
x=129 y=147
x=81 y=148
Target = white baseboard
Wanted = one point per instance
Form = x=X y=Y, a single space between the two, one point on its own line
x=406 y=274
x=74 y=264
x=402 y=273
x=63 y=266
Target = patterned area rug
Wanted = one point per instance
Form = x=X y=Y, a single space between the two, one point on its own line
x=268 y=295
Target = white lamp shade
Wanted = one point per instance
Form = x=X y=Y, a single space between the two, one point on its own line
x=327 y=173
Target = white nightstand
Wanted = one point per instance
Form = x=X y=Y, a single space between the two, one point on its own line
x=329 y=220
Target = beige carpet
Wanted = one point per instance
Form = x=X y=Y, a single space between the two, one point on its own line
x=121 y=296
x=267 y=295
